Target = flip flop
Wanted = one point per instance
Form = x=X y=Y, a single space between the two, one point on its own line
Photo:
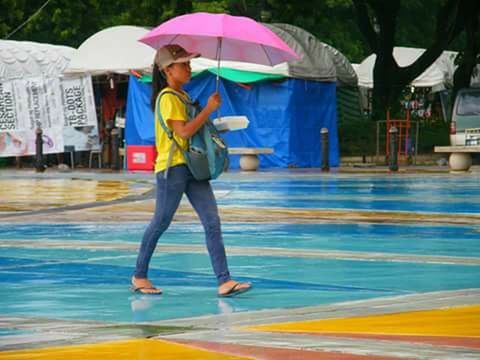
x=235 y=290
x=140 y=289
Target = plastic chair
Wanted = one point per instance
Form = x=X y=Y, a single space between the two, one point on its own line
x=94 y=152
x=123 y=155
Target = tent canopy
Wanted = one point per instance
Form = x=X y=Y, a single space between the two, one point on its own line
x=320 y=61
x=113 y=50
x=438 y=75
x=201 y=64
x=20 y=59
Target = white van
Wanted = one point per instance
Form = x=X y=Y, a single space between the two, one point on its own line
x=466 y=115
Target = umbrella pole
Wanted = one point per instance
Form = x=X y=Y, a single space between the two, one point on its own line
x=219 y=56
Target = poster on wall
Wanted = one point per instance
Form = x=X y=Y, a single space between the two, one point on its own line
x=63 y=108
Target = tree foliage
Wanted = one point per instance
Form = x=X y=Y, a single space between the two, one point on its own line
x=66 y=22
x=12 y=15
x=332 y=21
x=431 y=24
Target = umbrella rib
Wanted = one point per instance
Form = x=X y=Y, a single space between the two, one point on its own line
x=172 y=41
x=266 y=54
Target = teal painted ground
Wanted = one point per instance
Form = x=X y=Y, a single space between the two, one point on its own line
x=394 y=192
x=93 y=285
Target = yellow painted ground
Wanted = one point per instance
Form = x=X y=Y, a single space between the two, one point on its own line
x=35 y=194
x=460 y=321
x=142 y=349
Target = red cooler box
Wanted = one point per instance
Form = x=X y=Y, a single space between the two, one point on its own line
x=141 y=157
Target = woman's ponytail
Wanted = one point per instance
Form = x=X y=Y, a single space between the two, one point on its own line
x=159 y=82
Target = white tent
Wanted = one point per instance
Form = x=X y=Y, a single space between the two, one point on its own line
x=113 y=50
x=22 y=59
x=437 y=76
x=35 y=93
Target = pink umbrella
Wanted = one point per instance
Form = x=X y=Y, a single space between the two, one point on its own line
x=222 y=37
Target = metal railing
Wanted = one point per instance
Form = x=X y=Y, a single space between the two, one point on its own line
x=408 y=144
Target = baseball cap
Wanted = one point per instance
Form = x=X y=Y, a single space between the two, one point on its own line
x=171 y=54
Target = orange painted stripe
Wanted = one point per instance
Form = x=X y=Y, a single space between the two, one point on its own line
x=144 y=349
x=451 y=322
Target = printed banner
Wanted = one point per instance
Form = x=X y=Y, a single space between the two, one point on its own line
x=83 y=138
x=22 y=143
x=63 y=108
x=81 y=129
x=8 y=112
x=78 y=102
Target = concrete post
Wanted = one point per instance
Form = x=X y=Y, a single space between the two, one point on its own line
x=325 y=155
x=39 y=166
x=107 y=144
x=115 y=146
x=393 y=149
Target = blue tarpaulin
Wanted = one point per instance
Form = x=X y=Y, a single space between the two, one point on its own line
x=139 y=127
x=284 y=115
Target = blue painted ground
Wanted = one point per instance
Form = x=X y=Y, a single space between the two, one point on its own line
x=448 y=240
x=93 y=285
x=83 y=284
x=10 y=331
x=425 y=193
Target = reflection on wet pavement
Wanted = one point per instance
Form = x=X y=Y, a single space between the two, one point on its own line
x=34 y=194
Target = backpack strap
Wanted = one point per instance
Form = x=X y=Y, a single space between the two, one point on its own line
x=167 y=129
x=162 y=121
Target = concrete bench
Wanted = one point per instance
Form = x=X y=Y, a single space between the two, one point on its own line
x=249 y=156
x=460 y=156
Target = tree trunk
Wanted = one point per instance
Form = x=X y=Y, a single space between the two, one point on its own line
x=385 y=82
x=385 y=86
x=463 y=73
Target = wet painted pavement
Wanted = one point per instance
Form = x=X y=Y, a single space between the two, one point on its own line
x=343 y=266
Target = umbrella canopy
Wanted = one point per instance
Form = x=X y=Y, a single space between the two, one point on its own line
x=222 y=37
x=112 y=50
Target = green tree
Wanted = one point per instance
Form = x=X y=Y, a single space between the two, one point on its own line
x=11 y=16
x=66 y=22
x=250 y=8
x=58 y=22
x=214 y=6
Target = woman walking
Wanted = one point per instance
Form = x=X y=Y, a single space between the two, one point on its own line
x=171 y=104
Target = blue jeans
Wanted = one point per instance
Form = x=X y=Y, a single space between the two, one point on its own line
x=200 y=195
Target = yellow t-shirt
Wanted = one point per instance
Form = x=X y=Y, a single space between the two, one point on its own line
x=171 y=108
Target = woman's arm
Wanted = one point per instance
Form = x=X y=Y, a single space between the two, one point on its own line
x=186 y=129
